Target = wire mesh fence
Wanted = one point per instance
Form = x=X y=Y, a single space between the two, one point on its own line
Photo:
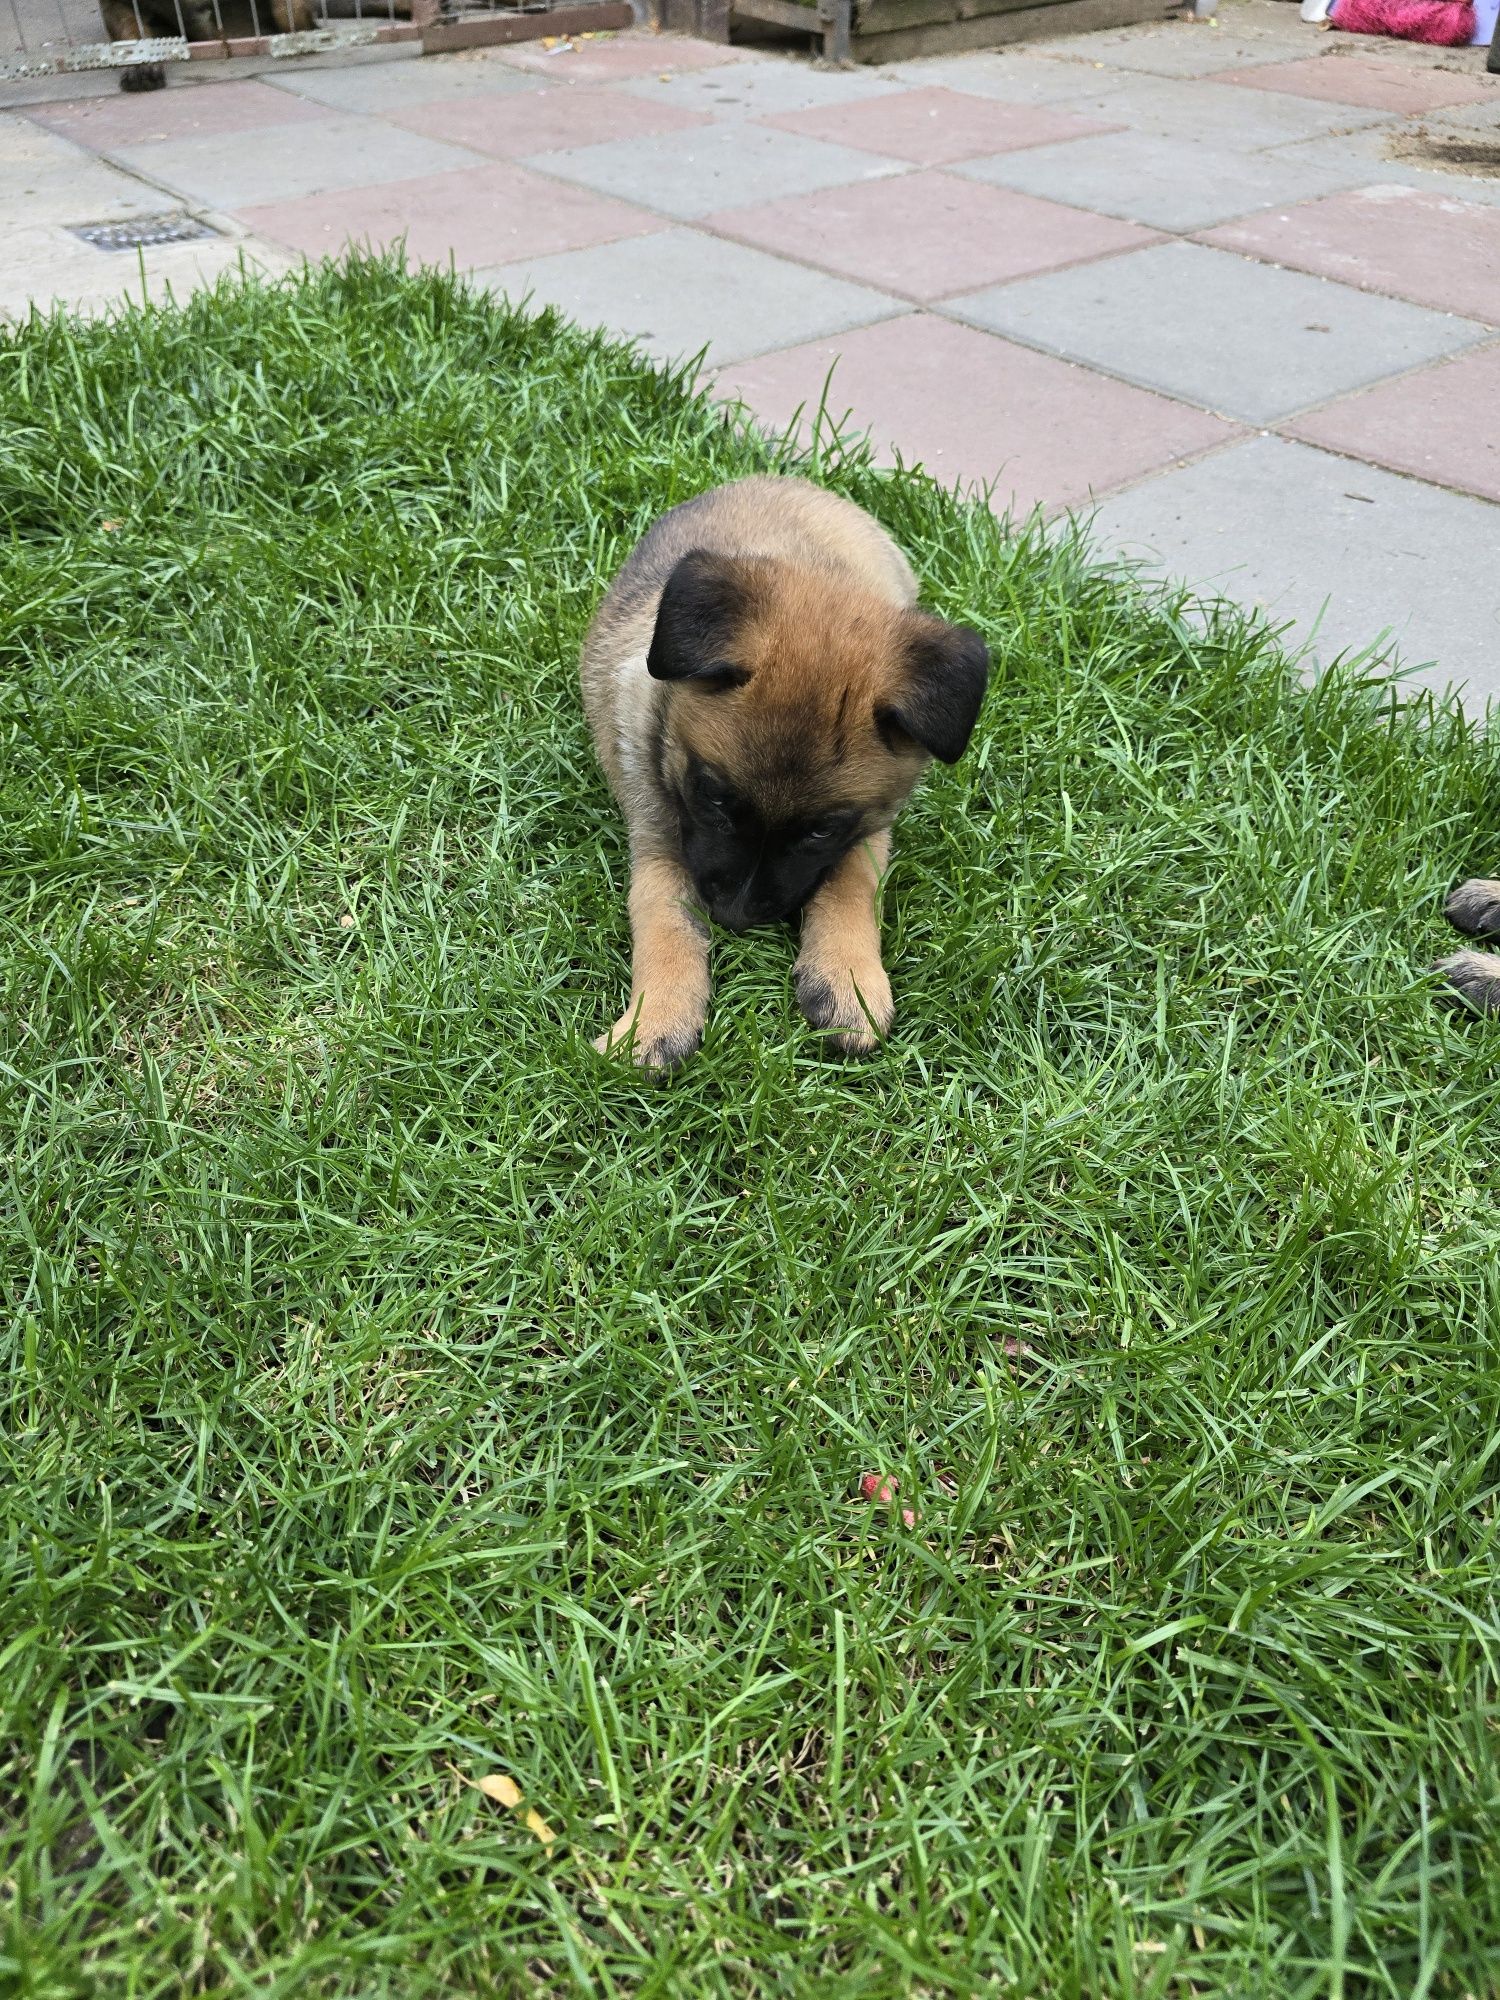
x=41 y=38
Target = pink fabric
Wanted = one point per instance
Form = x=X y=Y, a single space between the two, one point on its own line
x=1448 y=22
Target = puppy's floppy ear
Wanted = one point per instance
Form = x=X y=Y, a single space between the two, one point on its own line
x=940 y=681
x=706 y=600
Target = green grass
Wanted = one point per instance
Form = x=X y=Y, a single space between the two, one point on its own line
x=398 y=1395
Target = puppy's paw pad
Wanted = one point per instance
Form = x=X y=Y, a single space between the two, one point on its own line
x=853 y=1010
x=1473 y=979
x=1474 y=908
x=651 y=1045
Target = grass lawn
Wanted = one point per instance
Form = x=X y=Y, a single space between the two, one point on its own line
x=400 y=1396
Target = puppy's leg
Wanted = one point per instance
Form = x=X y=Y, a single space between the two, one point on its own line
x=841 y=983
x=1474 y=908
x=1473 y=978
x=669 y=968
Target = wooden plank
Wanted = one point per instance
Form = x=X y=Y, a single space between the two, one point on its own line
x=883 y=17
x=992 y=31
x=480 y=31
x=778 y=14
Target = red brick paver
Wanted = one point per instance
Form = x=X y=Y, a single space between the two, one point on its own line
x=970 y=405
x=1439 y=424
x=934 y=127
x=482 y=215
x=510 y=125
x=1434 y=249
x=1361 y=79
x=928 y=235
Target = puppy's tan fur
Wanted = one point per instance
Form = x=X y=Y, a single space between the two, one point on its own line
x=822 y=654
x=1474 y=976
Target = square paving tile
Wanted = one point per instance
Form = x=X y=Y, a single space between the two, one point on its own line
x=1169 y=183
x=1482 y=120
x=973 y=409
x=935 y=127
x=1012 y=76
x=688 y=174
x=396 y=85
x=45 y=178
x=1217 y=114
x=190 y=112
x=1442 y=252
x=314 y=155
x=1429 y=424
x=928 y=234
x=490 y=213
x=45 y=265
x=1394 y=153
x=759 y=89
x=1349 y=550
x=1249 y=340
x=545 y=121
x=679 y=291
x=641 y=54
x=1185 y=48
x=1362 y=79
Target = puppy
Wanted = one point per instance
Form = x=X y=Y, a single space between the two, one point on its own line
x=763 y=695
x=1474 y=976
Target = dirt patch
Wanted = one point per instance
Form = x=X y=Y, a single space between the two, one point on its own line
x=1479 y=158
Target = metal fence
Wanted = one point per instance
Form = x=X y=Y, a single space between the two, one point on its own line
x=40 y=38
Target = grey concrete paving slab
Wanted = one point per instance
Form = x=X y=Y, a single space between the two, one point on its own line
x=1222 y=114
x=1248 y=340
x=1169 y=183
x=1470 y=121
x=1183 y=48
x=396 y=86
x=283 y=162
x=1394 y=154
x=1346 y=552
x=688 y=174
x=679 y=291
x=1009 y=76
x=45 y=178
x=759 y=90
x=44 y=265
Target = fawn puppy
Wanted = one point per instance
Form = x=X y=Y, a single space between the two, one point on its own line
x=763 y=694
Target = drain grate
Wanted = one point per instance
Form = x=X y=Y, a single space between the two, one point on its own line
x=142 y=231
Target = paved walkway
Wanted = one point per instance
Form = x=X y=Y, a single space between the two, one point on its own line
x=1206 y=280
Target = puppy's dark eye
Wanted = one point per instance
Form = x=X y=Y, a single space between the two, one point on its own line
x=819 y=836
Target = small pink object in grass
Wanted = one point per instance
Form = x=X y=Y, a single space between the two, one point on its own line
x=882 y=1488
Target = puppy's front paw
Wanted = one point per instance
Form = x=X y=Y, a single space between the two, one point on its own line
x=1474 y=908
x=654 y=1038
x=852 y=1003
x=1474 y=978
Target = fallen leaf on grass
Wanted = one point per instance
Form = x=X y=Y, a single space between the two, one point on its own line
x=506 y=1792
